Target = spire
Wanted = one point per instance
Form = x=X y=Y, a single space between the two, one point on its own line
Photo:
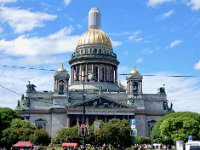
x=94 y=18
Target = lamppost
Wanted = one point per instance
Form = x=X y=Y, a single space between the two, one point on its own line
x=83 y=126
x=83 y=116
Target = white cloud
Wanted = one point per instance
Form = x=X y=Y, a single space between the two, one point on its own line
x=136 y=38
x=43 y=81
x=183 y=92
x=154 y=3
x=166 y=14
x=67 y=2
x=7 y=1
x=197 y=65
x=147 y=51
x=175 y=43
x=194 y=4
x=23 y=20
x=116 y=43
x=139 y=60
x=56 y=43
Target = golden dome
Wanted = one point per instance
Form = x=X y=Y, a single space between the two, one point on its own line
x=134 y=71
x=94 y=36
x=62 y=69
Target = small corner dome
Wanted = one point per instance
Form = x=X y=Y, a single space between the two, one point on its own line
x=61 y=69
x=134 y=72
x=61 y=72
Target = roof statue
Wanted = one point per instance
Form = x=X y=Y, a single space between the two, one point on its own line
x=30 y=87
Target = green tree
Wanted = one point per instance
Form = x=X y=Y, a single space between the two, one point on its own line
x=18 y=130
x=176 y=126
x=6 y=116
x=143 y=140
x=67 y=135
x=117 y=133
x=41 y=137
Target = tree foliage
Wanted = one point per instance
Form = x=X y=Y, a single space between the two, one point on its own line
x=143 y=140
x=6 y=116
x=176 y=126
x=115 y=132
x=41 y=137
x=67 y=135
x=19 y=130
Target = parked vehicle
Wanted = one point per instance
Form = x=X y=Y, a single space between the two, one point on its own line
x=192 y=145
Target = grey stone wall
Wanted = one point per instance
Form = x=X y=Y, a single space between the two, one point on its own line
x=58 y=121
x=141 y=125
x=46 y=117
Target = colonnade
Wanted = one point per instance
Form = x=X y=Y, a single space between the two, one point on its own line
x=89 y=119
x=100 y=72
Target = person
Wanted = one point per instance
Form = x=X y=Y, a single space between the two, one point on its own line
x=75 y=148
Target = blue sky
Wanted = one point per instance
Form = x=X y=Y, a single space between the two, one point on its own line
x=159 y=37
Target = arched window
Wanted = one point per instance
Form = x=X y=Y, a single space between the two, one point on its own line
x=61 y=87
x=135 y=87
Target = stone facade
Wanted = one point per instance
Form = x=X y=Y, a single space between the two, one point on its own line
x=93 y=85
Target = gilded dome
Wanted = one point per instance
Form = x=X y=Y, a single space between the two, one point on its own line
x=134 y=72
x=61 y=69
x=94 y=36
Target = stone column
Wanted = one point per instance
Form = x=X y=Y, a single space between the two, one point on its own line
x=86 y=70
x=104 y=77
x=77 y=120
x=87 y=121
x=98 y=72
x=112 y=74
x=72 y=74
x=76 y=71
x=92 y=70
x=68 y=121
x=105 y=118
x=80 y=73
x=116 y=74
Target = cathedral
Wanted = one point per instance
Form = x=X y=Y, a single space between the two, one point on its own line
x=92 y=90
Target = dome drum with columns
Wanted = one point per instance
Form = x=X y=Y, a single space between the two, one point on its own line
x=94 y=55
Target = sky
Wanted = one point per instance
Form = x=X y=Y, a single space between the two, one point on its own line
x=159 y=37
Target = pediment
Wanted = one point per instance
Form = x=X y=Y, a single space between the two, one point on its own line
x=40 y=120
x=101 y=102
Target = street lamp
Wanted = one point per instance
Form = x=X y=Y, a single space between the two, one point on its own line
x=83 y=127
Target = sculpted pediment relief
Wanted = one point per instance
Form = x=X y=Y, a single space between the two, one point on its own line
x=101 y=102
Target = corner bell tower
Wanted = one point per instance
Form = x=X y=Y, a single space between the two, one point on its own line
x=134 y=83
x=61 y=80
